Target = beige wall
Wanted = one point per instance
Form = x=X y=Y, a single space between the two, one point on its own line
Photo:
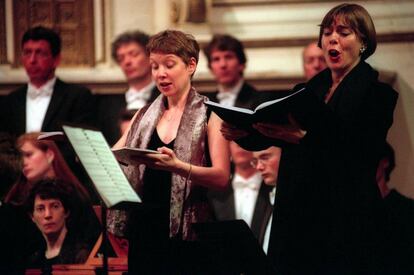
x=401 y=137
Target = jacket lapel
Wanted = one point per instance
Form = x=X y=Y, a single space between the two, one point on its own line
x=20 y=110
x=58 y=97
x=154 y=94
x=260 y=211
x=244 y=99
x=229 y=209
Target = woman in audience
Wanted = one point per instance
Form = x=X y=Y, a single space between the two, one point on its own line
x=52 y=207
x=328 y=210
x=178 y=125
x=42 y=159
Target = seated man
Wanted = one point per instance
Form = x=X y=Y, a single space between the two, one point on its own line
x=313 y=60
x=246 y=198
x=227 y=62
x=400 y=223
x=51 y=206
x=267 y=163
x=128 y=51
x=45 y=102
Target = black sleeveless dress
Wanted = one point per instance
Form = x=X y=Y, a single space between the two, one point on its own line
x=149 y=242
x=157 y=186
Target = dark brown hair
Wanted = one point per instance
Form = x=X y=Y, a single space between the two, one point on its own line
x=43 y=33
x=137 y=37
x=358 y=19
x=51 y=189
x=225 y=42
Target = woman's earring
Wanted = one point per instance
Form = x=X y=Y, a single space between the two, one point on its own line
x=362 y=50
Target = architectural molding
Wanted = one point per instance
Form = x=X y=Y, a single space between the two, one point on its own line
x=235 y=3
x=3 y=48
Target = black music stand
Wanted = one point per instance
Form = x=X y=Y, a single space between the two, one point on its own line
x=225 y=247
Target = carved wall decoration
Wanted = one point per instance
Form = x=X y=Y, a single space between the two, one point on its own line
x=189 y=11
x=197 y=11
x=72 y=19
x=3 y=49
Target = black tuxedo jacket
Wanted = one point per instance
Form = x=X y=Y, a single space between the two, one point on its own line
x=69 y=103
x=109 y=108
x=223 y=207
x=247 y=98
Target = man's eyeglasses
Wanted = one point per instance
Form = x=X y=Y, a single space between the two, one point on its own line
x=261 y=159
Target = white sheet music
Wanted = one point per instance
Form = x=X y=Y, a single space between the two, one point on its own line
x=100 y=164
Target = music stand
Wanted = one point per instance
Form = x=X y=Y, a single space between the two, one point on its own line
x=235 y=249
x=225 y=247
x=108 y=179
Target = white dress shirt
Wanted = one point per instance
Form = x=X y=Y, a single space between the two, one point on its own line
x=228 y=97
x=266 y=237
x=37 y=102
x=245 y=196
x=136 y=99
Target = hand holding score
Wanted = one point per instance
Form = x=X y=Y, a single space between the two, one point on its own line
x=231 y=132
x=166 y=160
x=290 y=133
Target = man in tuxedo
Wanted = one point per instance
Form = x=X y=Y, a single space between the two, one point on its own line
x=46 y=101
x=399 y=209
x=246 y=197
x=313 y=60
x=128 y=51
x=267 y=163
x=227 y=62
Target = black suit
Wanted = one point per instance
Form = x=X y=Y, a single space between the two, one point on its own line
x=69 y=103
x=109 y=108
x=248 y=97
x=223 y=207
x=223 y=203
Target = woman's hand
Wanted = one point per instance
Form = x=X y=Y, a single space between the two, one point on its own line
x=167 y=160
x=290 y=133
x=231 y=132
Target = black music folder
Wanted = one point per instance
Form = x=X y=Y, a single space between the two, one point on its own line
x=274 y=111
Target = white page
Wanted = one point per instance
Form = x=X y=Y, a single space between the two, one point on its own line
x=268 y=103
x=238 y=109
x=100 y=164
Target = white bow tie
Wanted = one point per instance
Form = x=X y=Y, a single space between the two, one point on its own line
x=224 y=96
x=132 y=96
x=35 y=93
x=244 y=185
